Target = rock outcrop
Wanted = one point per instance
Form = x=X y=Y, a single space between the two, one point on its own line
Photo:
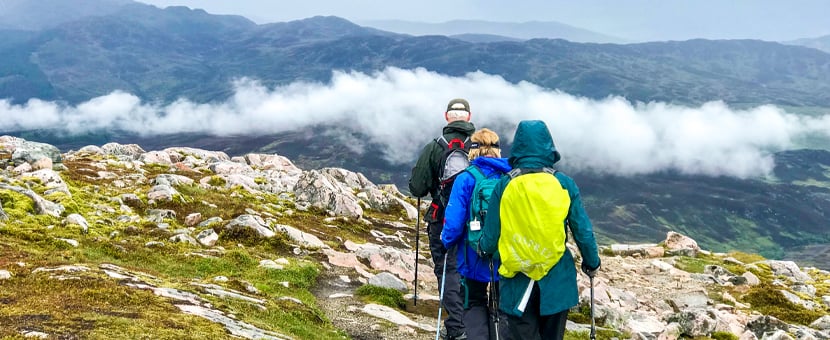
x=194 y=204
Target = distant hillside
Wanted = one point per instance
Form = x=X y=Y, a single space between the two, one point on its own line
x=483 y=38
x=41 y=14
x=523 y=30
x=162 y=55
x=820 y=43
x=767 y=216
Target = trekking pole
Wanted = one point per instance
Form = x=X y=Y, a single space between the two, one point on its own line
x=441 y=296
x=417 y=246
x=593 y=326
x=494 y=299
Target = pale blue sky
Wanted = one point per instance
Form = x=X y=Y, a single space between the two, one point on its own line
x=633 y=19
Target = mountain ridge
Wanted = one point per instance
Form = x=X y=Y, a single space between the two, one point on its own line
x=81 y=60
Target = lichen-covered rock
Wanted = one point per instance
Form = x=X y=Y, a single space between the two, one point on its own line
x=132 y=151
x=320 y=189
x=252 y=222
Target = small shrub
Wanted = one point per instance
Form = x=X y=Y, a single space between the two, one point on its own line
x=217 y=181
x=384 y=296
x=719 y=335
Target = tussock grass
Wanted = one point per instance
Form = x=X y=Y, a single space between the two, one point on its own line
x=381 y=295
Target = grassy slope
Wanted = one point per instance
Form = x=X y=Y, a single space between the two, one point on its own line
x=100 y=308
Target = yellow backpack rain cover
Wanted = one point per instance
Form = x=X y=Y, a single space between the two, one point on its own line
x=533 y=210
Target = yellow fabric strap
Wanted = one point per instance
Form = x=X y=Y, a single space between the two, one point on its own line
x=533 y=210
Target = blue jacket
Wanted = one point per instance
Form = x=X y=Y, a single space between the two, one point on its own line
x=533 y=148
x=470 y=266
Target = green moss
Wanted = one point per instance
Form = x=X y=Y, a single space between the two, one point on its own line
x=720 y=335
x=768 y=300
x=746 y=257
x=15 y=204
x=380 y=295
x=217 y=181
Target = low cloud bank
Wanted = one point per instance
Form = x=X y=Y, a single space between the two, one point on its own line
x=403 y=109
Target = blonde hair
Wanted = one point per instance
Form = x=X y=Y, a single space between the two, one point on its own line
x=488 y=144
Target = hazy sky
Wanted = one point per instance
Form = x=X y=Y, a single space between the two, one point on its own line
x=406 y=106
x=633 y=19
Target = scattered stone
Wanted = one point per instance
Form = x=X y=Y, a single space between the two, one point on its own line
x=388 y=280
x=235 y=327
x=221 y=279
x=803 y=288
x=251 y=222
x=210 y=221
x=154 y=244
x=751 y=279
x=270 y=264
x=207 y=237
x=822 y=323
x=193 y=219
x=393 y=316
x=65 y=269
x=5 y=275
x=304 y=239
x=34 y=334
x=70 y=241
x=789 y=269
x=184 y=238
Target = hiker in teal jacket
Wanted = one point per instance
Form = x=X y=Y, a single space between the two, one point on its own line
x=526 y=199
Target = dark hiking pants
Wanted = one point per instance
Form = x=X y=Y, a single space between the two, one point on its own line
x=453 y=304
x=479 y=321
x=534 y=326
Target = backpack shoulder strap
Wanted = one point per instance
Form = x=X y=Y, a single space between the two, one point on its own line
x=442 y=141
x=515 y=173
x=521 y=171
x=476 y=172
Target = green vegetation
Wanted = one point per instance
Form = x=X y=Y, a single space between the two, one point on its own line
x=380 y=295
x=698 y=264
x=720 y=335
x=768 y=299
x=602 y=334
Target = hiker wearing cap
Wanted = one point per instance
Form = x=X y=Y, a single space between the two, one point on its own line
x=462 y=224
x=428 y=177
x=531 y=209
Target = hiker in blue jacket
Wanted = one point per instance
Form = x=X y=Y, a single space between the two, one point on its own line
x=530 y=211
x=475 y=272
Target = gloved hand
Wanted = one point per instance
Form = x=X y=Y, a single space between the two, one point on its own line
x=591 y=272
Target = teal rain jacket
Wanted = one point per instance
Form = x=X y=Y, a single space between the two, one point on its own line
x=533 y=148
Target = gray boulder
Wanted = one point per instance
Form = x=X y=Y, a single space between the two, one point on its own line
x=388 y=280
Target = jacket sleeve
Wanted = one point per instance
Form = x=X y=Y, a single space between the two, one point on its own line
x=491 y=231
x=458 y=210
x=580 y=225
x=421 y=180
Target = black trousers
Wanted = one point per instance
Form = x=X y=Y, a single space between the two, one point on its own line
x=479 y=316
x=534 y=326
x=453 y=304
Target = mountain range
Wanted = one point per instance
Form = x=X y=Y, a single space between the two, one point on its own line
x=161 y=55
x=165 y=54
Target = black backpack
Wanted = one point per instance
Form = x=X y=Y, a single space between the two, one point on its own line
x=454 y=160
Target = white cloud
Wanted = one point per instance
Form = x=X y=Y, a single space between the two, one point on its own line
x=403 y=109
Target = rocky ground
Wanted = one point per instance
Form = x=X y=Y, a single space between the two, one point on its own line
x=114 y=241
